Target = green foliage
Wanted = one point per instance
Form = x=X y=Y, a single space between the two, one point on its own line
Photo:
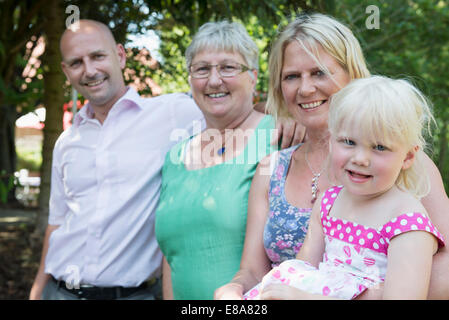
x=172 y=76
x=29 y=159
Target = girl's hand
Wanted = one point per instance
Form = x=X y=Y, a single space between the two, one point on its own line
x=230 y=291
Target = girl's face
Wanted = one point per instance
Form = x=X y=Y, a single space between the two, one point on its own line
x=306 y=87
x=366 y=168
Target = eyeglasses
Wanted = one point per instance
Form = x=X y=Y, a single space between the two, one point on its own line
x=225 y=69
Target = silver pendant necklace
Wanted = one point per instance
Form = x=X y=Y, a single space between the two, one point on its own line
x=316 y=177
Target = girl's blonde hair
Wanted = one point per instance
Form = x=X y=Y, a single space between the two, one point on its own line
x=389 y=110
x=311 y=30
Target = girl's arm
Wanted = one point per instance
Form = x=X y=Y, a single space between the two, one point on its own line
x=167 y=289
x=254 y=263
x=312 y=249
x=409 y=265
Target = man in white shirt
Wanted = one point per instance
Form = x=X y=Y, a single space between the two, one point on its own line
x=106 y=176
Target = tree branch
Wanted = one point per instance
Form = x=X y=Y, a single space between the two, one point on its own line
x=25 y=21
x=35 y=30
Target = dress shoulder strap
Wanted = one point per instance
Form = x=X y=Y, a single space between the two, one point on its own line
x=279 y=164
x=328 y=199
x=414 y=221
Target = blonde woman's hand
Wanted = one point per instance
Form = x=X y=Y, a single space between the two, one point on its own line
x=230 y=291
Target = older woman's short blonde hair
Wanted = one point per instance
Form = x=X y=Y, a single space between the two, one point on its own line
x=310 y=30
x=384 y=110
x=224 y=36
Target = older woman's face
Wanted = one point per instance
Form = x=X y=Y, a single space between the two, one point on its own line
x=218 y=96
x=306 y=87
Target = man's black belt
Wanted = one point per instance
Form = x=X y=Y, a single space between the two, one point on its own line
x=89 y=292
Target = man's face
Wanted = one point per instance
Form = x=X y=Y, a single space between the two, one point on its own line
x=93 y=64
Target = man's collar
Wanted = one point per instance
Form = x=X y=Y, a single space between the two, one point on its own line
x=130 y=95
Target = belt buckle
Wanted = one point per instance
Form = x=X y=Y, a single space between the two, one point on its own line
x=94 y=293
x=81 y=294
x=82 y=291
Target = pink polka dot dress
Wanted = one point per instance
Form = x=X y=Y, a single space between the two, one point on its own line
x=355 y=256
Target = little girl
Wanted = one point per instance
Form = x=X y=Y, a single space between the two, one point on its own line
x=360 y=232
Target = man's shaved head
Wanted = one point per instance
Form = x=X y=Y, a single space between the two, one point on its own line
x=87 y=26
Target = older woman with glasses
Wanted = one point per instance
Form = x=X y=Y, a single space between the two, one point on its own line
x=201 y=219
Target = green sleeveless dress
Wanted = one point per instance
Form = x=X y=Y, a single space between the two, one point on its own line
x=201 y=218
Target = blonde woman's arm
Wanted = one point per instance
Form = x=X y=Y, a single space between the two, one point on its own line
x=254 y=263
x=167 y=288
x=437 y=206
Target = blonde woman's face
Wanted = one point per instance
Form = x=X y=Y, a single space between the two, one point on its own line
x=306 y=87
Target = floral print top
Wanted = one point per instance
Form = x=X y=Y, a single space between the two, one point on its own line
x=286 y=225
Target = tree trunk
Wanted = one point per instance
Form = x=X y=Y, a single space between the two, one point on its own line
x=8 y=157
x=53 y=101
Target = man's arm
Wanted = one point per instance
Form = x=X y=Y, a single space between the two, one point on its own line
x=42 y=278
x=57 y=211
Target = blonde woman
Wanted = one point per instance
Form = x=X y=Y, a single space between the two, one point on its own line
x=312 y=59
x=363 y=232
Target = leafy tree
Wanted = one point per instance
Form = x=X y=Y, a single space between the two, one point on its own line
x=18 y=23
